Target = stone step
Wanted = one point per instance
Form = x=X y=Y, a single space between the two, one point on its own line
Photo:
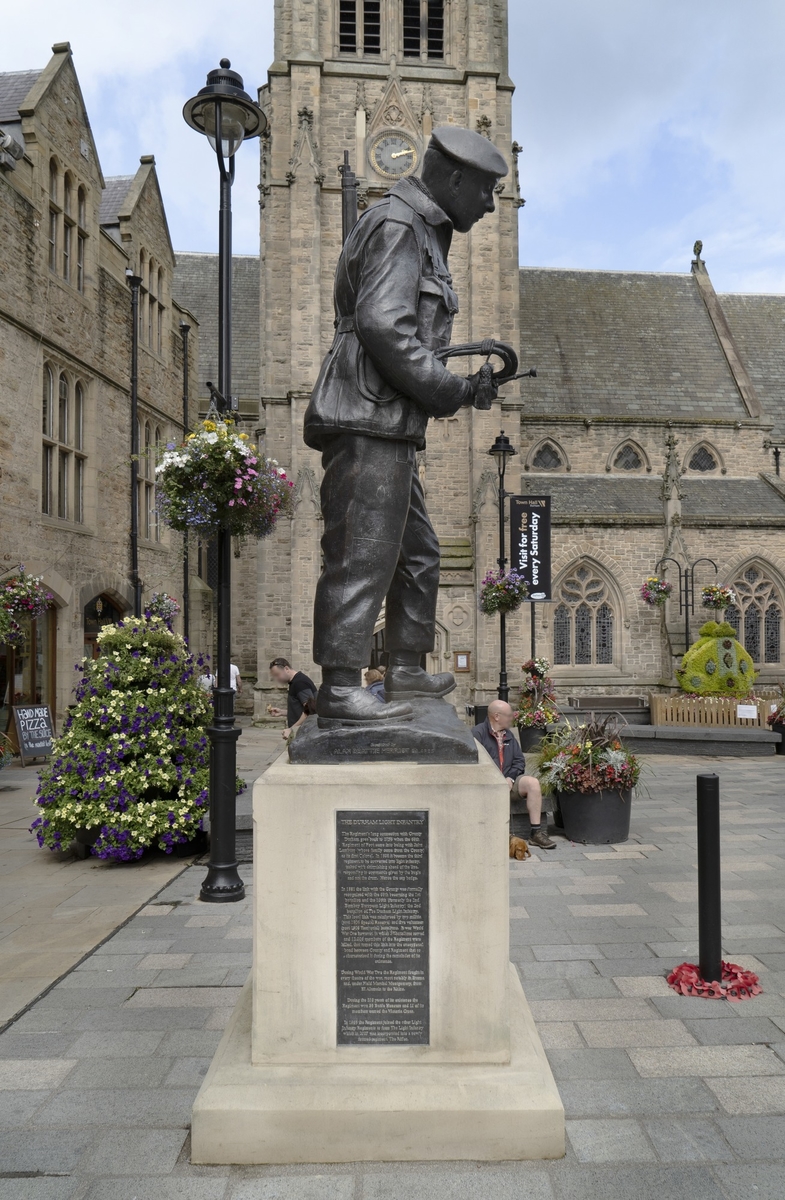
x=706 y=740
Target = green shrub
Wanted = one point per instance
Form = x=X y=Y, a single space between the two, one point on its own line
x=717 y=664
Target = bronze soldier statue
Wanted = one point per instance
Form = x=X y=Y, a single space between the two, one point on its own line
x=379 y=384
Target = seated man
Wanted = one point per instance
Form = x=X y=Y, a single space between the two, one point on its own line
x=495 y=735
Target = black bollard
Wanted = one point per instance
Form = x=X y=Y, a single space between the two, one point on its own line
x=709 y=898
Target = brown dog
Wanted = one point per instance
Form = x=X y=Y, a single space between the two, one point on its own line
x=519 y=848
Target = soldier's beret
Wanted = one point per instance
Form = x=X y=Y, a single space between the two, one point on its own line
x=469 y=149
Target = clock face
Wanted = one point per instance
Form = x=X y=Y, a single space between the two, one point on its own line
x=394 y=155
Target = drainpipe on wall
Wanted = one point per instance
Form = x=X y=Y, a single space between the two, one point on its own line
x=185 y=329
x=135 y=282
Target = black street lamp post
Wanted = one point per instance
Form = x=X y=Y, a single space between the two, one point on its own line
x=227 y=116
x=135 y=282
x=502 y=450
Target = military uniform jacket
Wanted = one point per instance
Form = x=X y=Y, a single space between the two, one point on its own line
x=394 y=305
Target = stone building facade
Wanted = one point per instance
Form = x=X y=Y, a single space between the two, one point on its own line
x=653 y=423
x=69 y=236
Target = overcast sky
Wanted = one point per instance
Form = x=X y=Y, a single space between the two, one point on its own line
x=644 y=126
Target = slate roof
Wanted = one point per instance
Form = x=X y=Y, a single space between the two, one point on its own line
x=609 y=497
x=729 y=498
x=14 y=86
x=196 y=287
x=112 y=197
x=612 y=343
x=758 y=325
x=581 y=496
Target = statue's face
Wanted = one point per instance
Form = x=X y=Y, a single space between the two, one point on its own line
x=466 y=196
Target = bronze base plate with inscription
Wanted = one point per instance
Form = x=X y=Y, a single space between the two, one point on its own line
x=435 y=735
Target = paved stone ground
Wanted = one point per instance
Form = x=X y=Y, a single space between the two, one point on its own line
x=55 y=908
x=665 y=1096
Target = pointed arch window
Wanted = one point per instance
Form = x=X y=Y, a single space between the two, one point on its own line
x=547 y=458
x=584 y=620
x=54 y=214
x=149 y=451
x=63 y=458
x=628 y=459
x=47 y=410
x=757 y=615
x=703 y=459
x=81 y=238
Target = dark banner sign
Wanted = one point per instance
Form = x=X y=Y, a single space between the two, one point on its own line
x=530 y=543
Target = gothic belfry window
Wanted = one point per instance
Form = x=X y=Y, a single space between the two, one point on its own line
x=757 y=615
x=360 y=27
x=583 y=623
x=423 y=29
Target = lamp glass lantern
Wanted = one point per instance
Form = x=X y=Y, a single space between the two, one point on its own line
x=502 y=450
x=224 y=112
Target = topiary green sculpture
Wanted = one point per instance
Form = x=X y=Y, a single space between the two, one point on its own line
x=717 y=665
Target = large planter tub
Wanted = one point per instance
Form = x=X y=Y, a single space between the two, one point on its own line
x=596 y=818
x=530 y=738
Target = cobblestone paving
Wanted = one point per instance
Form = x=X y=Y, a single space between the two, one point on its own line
x=665 y=1096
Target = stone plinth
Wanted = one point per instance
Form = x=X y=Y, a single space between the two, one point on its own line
x=435 y=734
x=281 y=1088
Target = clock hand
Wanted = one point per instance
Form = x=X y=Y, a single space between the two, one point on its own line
x=401 y=154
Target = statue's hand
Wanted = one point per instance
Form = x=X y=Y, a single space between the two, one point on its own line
x=484 y=389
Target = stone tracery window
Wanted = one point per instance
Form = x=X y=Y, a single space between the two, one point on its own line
x=702 y=459
x=628 y=459
x=547 y=458
x=757 y=618
x=583 y=622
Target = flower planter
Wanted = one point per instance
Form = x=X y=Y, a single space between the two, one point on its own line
x=84 y=840
x=596 y=818
x=196 y=845
x=530 y=738
x=778 y=727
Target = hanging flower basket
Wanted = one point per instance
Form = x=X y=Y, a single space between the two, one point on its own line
x=502 y=593
x=537 y=706
x=716 y=597
x=164 y=606
x=11 y=632
x=25 y=595
x=217 y=480
x=655 y=591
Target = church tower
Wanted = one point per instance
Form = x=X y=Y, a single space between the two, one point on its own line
x=374 y=77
